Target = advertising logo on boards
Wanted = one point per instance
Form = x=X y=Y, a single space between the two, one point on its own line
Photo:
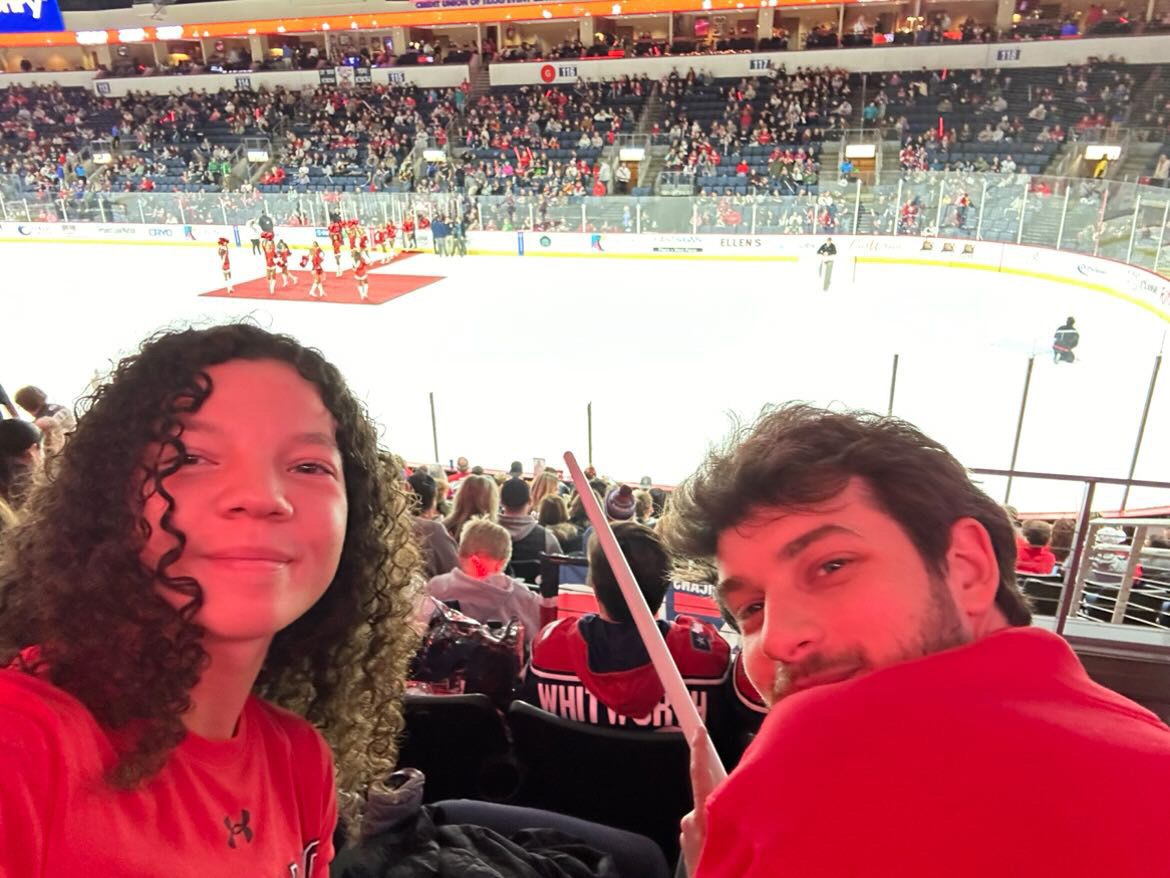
x=549 y=73
x=740 y=243
x=676 y=244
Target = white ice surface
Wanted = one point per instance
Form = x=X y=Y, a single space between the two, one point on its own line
x=514 y=348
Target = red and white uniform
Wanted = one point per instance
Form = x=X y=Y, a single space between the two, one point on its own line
x=593 y=671
x=269 y=258
x=318 y=264
x=391 y=232
x=360 y=267
x=282 y=255
x=335 y=237
x=225 y=256
x=352 y=233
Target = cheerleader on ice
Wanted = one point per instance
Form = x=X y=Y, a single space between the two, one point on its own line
x=364 y=241
x=269 y=251
x=315 y=258
x=360 y=269
x=335 y=236
x=283 y=252
x=226 y=261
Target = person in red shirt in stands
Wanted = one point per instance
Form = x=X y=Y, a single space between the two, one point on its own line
x=1033 y=555
x=217 y=550
x=462 y=471
x=918 y=726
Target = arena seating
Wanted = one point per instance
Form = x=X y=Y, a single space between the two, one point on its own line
x=717 y=127
x=1071 y=101
x=459 y=742
x=730 y=138
x=644 y=777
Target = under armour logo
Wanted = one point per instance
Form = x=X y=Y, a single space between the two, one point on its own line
x=240 y=828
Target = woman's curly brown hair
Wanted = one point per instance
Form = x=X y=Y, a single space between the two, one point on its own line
x=72 y=582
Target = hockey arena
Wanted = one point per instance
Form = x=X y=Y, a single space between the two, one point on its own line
x=631 y=439
x=669 y=352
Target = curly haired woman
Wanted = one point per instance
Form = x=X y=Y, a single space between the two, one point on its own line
x=215 y=565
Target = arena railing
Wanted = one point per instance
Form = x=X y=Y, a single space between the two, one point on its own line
x=1107 y=218
x=1113 y=592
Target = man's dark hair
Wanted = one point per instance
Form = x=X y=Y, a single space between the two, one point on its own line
x=514 y=494
x=797 y=456
x=424 y=488
x=648 y=560
x=659 y=497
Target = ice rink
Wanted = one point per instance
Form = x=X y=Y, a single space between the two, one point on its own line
x=668 y=352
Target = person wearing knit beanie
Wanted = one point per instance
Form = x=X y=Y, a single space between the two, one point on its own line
x=619 y=503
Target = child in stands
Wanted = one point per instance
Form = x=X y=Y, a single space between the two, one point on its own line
x=479 y=584
x=1034 y=556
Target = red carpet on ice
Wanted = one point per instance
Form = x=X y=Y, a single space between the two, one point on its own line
x=384 y=287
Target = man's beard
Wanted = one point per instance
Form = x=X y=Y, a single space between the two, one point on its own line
x=941 y=629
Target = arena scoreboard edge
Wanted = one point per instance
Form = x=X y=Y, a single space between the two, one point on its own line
x=23 y=16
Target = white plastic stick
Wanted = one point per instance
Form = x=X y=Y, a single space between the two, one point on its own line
x=672 y=681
